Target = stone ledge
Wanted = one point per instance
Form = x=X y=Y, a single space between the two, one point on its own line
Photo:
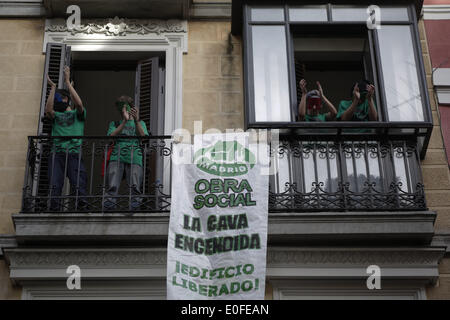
x=24 y=8
x=299 y=228
x=7 y=241
x=442 y=239
x=210 y=10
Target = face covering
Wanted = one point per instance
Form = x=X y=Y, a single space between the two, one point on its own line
x=59 y=105
x=313 y=101
x=121 y=104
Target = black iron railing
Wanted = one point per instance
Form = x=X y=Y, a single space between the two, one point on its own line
x=321 y=175
x=345 y=175
x=89 y=191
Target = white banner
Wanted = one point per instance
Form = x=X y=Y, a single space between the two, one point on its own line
x=218 y=221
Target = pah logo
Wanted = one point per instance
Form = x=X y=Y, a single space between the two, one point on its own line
x=225 y=158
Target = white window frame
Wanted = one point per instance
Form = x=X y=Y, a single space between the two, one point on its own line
x=168 y=36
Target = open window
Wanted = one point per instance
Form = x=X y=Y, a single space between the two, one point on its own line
x=333 y=44
x=99 y=78
x=335 y=57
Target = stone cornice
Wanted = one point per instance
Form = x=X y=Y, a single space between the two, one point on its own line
x=22 y=8
x=288 y=256
x=118 y=26
x=7 y=241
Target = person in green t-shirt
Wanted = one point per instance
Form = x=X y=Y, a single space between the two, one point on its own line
x=362 y=106
x=65 y=159
x=126 y=155
x=310 y=105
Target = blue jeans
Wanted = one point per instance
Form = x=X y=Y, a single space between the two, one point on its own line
x=134 y=178
x=76 y=173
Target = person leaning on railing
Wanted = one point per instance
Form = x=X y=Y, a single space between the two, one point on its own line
x=67 y=121
x=126 y=155
x=310 y=105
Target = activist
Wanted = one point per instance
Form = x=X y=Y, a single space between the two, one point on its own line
x=362 y=105
x=310 y=105
x=65 y=159
x=126 y=154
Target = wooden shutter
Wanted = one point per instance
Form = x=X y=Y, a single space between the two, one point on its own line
x=147 y=94
x=57 y=56
x=148 y=98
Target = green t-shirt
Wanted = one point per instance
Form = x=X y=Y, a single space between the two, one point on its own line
x=127 y=145
x=68 y=123
x=321 y=117
x=361 y=113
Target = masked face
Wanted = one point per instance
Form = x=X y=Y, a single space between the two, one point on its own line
x=362 y=91
x=61 y=102
x=121 y=104
x=313 y=102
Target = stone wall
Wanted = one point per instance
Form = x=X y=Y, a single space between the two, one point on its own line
x=212 y=77
x=21 y=69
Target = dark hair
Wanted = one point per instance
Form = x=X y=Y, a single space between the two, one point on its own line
x=63 y=93
x=123 y=99
x=361 y=85
x=127 y=99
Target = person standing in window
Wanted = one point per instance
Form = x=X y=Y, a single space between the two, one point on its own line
x=65 y=159
x=126 y=155
x=362 y=105
x=311 y=104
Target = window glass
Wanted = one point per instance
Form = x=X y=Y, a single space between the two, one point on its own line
x=267 y=14
x=394 y=14
x=308 y=13
x=400 y=77
x=346 y=13
x=270 y=73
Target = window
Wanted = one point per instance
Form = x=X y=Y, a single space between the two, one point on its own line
x=332 y=44
x=99 y=78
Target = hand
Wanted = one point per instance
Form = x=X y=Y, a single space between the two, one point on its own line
x=302 y=84
x=134 y=114
x=67 y=74
x=50 y=82
x=356 y=94
x=370 y=91
x=125 y=114
x=319 y=87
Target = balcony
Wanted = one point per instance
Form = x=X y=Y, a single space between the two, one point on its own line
x=324 y=190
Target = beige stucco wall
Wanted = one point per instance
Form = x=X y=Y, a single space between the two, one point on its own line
x=212 y=77
x=21 y=69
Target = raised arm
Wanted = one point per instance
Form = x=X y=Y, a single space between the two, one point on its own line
x=302 y=104
x=73 y=93
x=373 y=115
x=125 y=118
x=49 y=112
x=331 y=115
x=135 y=116
x=348 y=114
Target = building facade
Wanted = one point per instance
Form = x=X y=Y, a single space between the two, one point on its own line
x=347 y=194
